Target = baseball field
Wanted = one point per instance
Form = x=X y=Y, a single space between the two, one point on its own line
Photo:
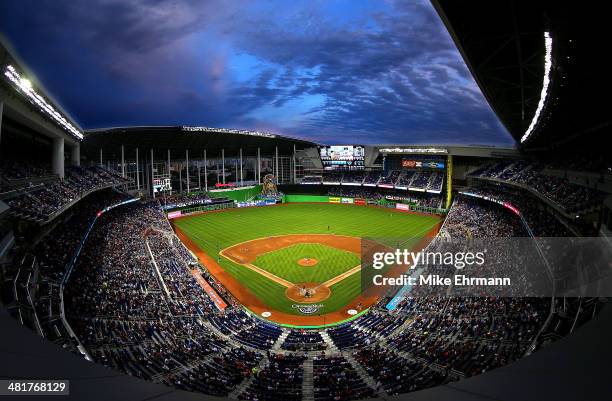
x=279 y=259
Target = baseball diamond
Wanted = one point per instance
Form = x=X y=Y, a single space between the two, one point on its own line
x=259 y=254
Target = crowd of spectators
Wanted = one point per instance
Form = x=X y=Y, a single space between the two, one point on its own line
x=420 y=180
x=303 y=340
x=569 y=196
x=179 y=200
x=355 y=192
x=312 y=179
x=414 y=198
x=134 y=303
x=389 y=179
x=332 y=177
x=16 y=170
x=405 y=179
x=542 y=221
x=470 y=335
x=279 y=380
x=55 y=249
x=371 y=178
x=335 y=378
x=436 y=182
x=396 y=374
x=474 y=218
x=54 y=252
x=353 y=177
x=595 y=164
x=42 y=201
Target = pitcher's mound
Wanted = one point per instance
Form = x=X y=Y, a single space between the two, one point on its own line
x=308 y=262
x=308 y=292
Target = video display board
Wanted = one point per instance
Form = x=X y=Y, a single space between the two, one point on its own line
x=342 y=157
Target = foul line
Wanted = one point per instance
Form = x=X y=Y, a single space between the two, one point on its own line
x=269 y=275
x=342 y=276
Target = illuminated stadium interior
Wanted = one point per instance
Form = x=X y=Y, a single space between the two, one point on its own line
x=236 y=262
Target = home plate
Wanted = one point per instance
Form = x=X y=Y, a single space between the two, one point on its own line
x=352 y=312
x=268 y=314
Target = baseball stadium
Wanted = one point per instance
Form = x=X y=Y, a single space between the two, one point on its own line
x=197 y=261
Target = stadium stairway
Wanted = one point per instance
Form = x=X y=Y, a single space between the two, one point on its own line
x=308 y=380
x=331 y=347
x=280 y=340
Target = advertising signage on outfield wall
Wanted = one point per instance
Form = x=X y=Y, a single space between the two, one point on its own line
x=263 y=202
x=408 y=163
x=173 y=215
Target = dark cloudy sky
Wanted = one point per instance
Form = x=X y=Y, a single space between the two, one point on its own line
x=350 y=71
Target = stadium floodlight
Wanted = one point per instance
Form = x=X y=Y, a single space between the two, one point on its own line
x=26 y=83
x=24 y=86
x=413 y=150
x=228 y=131
x=546 y=83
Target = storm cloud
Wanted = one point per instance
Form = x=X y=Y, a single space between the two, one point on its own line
x=331 y=71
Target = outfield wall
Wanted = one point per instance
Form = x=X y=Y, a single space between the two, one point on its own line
x=327 y=199
x=359 y=201
x=239 y=195
x=305 y=198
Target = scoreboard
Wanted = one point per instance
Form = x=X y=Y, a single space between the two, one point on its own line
x=343 y=157
x=161 y=184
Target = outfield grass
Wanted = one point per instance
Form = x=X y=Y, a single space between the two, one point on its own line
x=331 y=262
x=213 y=232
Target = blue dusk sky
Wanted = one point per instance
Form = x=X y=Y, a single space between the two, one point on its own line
x=368 y=72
